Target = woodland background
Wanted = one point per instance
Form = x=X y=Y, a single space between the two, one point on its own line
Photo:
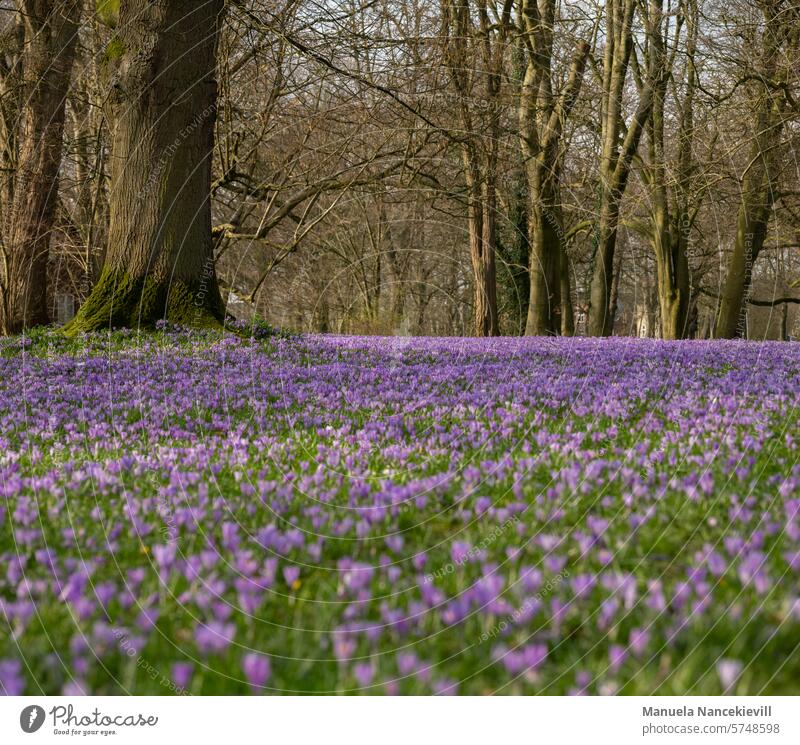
x=401 y=167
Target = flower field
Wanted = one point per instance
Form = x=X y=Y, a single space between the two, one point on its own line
x=184 y=513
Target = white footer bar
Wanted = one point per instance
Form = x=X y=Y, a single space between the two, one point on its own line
x=401 y=721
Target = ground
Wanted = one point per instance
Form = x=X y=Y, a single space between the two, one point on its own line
x=191 y=512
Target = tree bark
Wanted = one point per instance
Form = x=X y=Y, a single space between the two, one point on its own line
x=474 y=55
x=615 y=158
x=567 y=311
x=159 y=262
x=758 y=184
x=542 y=116
x=482 y=244
x=671 y=223
x=49 y=49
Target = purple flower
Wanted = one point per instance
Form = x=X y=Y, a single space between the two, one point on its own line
x=343 y=647
x=181 y=673
x=164 y=555
x=75 y=688
x=214 y=637
x=639 y=639
x=11 y=681
x=482 y=504
x=728 y=672
x=364 y=673
x=616 y=656
x=534 y=655
x=460 y=552
x=256 y=668
x=291 y=574
x=445 y=687
x=395 y=543
x=407 y=662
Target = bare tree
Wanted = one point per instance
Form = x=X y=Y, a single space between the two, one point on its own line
x=475 y=40
x=771 y=102
x=620 y=144
x=49 y=36
x=542 y=114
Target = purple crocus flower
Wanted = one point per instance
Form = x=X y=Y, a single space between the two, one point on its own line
x=445 y=687
x=256 y=668
x=728 y=672
x=364 y=672
x=406 y=663
x=291 y=574
x=214 y=637
x=534 y=655
x=639 y=639
x=482 y=504
x=11 y=681
x=616 y=656
x=181 y=673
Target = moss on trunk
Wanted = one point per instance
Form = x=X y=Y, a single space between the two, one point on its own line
x=119 y=300
x=160 y=257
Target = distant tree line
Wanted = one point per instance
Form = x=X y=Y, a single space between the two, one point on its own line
x=403 y=167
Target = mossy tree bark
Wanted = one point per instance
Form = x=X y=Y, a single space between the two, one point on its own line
x=160 y=263
x=50 y=33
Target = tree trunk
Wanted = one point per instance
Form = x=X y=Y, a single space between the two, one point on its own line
x=601 y=316
x=671 y=223
x=486 y=311
x=615 y=158
x=10 y=103
x=758 y=186
x=567 y=311
x=544 y=306
x=482 y=240
x=542 y=116
x=159 y=263
x=50 y=35
x=515 y=256
x=613 y=294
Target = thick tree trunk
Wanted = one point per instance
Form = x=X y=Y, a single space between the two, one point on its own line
x=615 y=158
x=567 y=311
x=601 y=316
x=515 y=256
x=673 y=306
x=669 y=245
x=613 y=294
x=671 y=222
x=160 y=262
x=544 y=306
x=10 y=103
x=482 y=244
x=751 y=232
x=541 y=117
x=550 y=310
x=758 y=186
x=50 y=36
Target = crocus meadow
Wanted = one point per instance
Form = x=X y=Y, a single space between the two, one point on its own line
x=191 y=513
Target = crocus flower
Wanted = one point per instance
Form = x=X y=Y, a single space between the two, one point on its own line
x=728 y=672
x=181 y=673
x=364 y=672
x=214 y=637
x=256 y=668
